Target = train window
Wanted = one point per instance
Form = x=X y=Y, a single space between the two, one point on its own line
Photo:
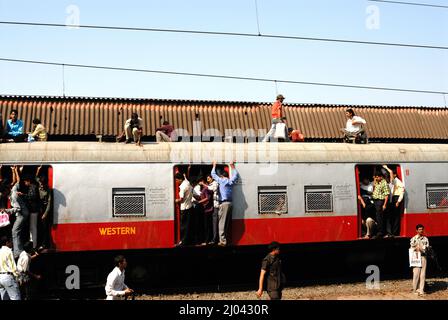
x=318 y=199
x=437 y=196
x=128 y=202
x=272 y=200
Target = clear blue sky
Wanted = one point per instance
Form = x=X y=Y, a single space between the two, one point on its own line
x=423 y=69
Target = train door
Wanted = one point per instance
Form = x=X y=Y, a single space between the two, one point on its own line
x=37 y=182
x=196 y=222
x=374 y=221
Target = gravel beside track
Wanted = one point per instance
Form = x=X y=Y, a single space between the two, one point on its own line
x=436 y=289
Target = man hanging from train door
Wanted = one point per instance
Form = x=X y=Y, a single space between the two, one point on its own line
x=380 y=196
x=225 y=201
x=186 y=207
x=397 y=194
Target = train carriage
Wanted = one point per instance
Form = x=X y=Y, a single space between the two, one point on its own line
x=111 y=196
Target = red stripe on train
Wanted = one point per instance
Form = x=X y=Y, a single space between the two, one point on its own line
x=294 y=230
x=114 y=235
x=436 y=223
x=160 y=234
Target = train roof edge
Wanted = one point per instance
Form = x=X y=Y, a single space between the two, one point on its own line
x=206 y=152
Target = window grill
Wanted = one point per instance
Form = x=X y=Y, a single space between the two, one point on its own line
x=318 y=199
x=272 y=200
x=436 y=196
x=129 y=202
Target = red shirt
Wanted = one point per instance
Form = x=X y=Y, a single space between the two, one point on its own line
x=277 y=110
x=166 y=129
x=296 y=136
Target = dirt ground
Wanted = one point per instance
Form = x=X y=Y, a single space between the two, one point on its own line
x=436 y=289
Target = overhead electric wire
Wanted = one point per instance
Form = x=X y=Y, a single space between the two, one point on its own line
x=230 y=34
x=412 y=3
x=219 y=76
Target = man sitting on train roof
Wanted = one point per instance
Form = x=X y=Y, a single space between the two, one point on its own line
x=354 y=130
x=39 y=132
x=134 y=128
x=14 y=128
x=2 y=128
x=165 y=132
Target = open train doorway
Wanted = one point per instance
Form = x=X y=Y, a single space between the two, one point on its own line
x=380 y=195
x=27 y=189
x=195 y=225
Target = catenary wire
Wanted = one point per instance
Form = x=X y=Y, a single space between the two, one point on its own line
x=412 y=3
x=234 y=34
x=219 y=76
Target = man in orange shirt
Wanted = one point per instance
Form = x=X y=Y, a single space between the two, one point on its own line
x=277 y=117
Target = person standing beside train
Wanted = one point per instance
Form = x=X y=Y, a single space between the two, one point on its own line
x=271 y=268
x=115 y=288
x=419 y=243
x=380 y=196
x=8 y=271
x=225 y=202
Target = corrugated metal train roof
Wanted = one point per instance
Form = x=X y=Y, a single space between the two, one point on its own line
x=106 y=116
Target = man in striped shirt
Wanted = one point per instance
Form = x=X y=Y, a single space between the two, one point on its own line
x=380 y=196
x=8 y=272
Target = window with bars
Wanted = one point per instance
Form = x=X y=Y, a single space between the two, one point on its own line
x=318 y=199
x=437 y=196
x=272 y=200
x=128 y=202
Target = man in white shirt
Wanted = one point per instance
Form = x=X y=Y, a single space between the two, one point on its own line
x=116 y=289
x=23 y=268
x=134 y=129
x=8 y=271
x=354 y=127
x=186 y=206
x=397 y=190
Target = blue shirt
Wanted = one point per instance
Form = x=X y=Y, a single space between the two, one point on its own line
x=14 y=129
x=225 y=185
